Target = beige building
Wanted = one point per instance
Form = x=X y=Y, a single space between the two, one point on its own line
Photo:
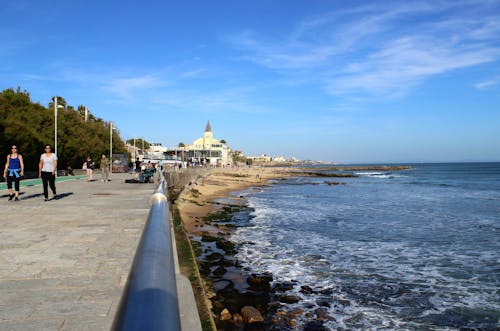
x=208 y=150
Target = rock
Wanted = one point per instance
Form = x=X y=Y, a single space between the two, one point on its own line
x=344 y=302
x=322 y=314
x=295 y=313
x=214 y=257
x=251 y=315
x=283 y=287
x=223 y=285
x=306 y=289
x=260 y=282
x=323 y=303
x=326 y=291
x=227 y=246
x=225 y=315
x=314 y=326
x=334 y=183
x=237 y=319
x=219 y=271
x=289 y=298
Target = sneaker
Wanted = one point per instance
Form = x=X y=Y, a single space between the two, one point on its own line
x=16 y=199
x=46 y=199
x=11 y=196
x=55 y=197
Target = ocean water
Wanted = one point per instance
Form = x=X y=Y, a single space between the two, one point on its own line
x=409 y=250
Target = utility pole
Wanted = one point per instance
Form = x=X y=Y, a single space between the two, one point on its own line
x=110 y=147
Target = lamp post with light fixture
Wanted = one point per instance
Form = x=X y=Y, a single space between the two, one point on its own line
x=55 y=124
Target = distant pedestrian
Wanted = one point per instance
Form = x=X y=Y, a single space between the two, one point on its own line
x=104 y=168
x=47 y=169
x=137 y=168
x=90 y=168
x=69 y=170
x=15 y=168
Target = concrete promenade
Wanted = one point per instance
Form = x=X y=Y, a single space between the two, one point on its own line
x=63 y=263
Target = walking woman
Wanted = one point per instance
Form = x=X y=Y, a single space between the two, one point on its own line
x=47 y=170
x=90 y=168
x=15 y=168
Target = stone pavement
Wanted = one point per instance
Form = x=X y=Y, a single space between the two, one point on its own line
x=63 y=263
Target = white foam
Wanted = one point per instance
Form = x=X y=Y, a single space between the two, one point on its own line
x=283 y=244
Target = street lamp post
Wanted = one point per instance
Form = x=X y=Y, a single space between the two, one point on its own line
x=110 y=147
x=55 y=124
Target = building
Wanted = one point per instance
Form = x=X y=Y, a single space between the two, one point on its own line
x=208 y=150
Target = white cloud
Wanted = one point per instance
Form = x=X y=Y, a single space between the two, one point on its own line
x=488 y=83
x=382 y=48
x=128 y=87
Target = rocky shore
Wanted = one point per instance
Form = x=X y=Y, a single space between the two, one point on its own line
x=210 y=208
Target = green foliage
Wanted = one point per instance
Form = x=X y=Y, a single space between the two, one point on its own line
x=138 y=143
x=181 y=144
x=30 y=126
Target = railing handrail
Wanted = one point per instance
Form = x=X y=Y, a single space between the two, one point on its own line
x=149 y=301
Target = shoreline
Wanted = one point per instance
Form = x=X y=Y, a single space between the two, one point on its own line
x=206 y=207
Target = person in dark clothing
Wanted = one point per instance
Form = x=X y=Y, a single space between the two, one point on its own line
x=14 y=170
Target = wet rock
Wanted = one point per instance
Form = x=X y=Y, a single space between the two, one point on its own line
x=334 y=183
x=238 y=320
x=306 y=289
x=223 y=285
x=251 y=315
x=323 y=303
x=343 y=302
x=214 y=257
x=322 y=314
x=260 y=282
x=283 y=287
x=219 y=271
x=228 y=247
x=289 y=298
x=208 y=238
x=326 y=291
x=294 y=313
x=225 y=315
x=314 y=326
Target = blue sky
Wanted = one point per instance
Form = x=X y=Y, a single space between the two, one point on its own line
x=342 y=81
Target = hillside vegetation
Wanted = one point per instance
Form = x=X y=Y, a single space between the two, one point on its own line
x=30 y=126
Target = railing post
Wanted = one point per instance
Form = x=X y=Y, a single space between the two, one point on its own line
x=149 y=301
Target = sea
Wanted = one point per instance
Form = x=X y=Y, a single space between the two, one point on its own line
x=415 y=249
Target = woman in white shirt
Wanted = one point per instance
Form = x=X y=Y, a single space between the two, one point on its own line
x=47 y=170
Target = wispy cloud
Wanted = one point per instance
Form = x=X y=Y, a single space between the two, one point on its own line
x=129 y=86
x=383 y=48
x=488 y=83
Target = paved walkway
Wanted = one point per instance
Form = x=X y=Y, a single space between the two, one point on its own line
x=63 y=263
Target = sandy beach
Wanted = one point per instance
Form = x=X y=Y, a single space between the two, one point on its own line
x=199 y=198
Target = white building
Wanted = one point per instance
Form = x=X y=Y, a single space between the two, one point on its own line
x=208 y=150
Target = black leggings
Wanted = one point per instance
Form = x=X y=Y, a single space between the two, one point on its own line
x=14 y=179
x=50 y=179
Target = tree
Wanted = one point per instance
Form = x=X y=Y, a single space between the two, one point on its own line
x=30 y=126
x=138 y=143
x=181 y=144
x=223 y=141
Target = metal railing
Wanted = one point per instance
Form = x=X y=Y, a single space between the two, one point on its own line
x=150 y=299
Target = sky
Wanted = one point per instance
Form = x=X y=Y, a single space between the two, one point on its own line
x=327 y=80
